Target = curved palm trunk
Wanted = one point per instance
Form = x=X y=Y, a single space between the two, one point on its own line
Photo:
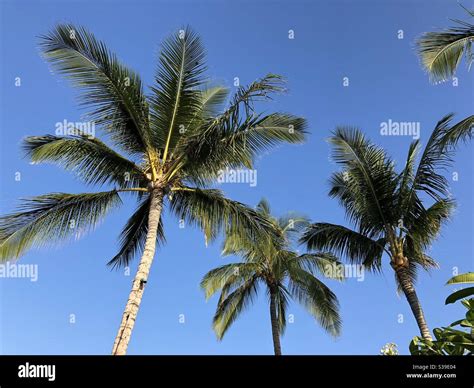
x=412 y=298
x=275 y=326
x=139 y=282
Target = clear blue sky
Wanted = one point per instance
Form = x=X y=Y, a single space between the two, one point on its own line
x=333 y=39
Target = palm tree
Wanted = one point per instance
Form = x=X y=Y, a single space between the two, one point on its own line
x=284 y=273
x=168 y=148
x=389 y=210
x=442 y=51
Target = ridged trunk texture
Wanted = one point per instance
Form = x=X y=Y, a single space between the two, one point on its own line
x=412 y=298
x=275 y=326
x=138 y=287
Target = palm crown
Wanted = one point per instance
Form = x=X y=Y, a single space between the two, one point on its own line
x=175 y=137
x=169 y=144
x=388 y=208
x=285 y=274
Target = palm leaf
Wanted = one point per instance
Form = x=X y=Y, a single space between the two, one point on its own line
x=212 y=212
x=89 y=158
x=437 y=157
x=441 y=52
x=317 y=298
x=229 y=309
x=343 y=241
x=282 y=296
x=133 y=236
x=176 y=98
x=321 y=262
x=234 y=138
x=292 y=224
x=367 y=186
x=263 y=207
x=52 y=217
x=113 y=91
x=212 y=99
x=423 y=229
x=226 y=276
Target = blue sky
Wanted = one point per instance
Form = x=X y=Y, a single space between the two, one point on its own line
x=332 y=40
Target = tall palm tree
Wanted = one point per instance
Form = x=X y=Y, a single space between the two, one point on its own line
x=168 y=148
x=284 y=273
x=389 y=210
x=442 y=51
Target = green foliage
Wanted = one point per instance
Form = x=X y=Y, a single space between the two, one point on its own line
x=272 y=264
x=211 y=211
x=112 y=92
x=90 y=158
x=234 y=137
x=449 y=341
x=176 y=98
x=461 y=294
x=49 y=218
x=178 y=138
x=133 y=236
x=452 y=340
x=441 y=52
x=384 y=206
x=467 y=277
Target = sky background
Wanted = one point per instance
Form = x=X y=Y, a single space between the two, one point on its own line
x=332 y=40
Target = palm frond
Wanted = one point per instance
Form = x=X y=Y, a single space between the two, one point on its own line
x=226 y=275
x=229 y=309
x=89 y=158
x=441 y=52
x=213 y=152
x=212 y=212
x=133 y=236
x=317 y=298
x=407 y=175
x=367 y=186
x=458 y=133
x=417 y=259
x=292 y=224
x=111 y=90
x=263 y=207
x=343 y=241
x=176 y=99
x=212 y=99
x=282 y=296
x=234 y=138
x=425 y=228
x=324 y=263
x=241 y=244
x=52 y=217
x=437 y=157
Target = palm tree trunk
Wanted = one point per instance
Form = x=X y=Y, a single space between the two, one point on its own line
x=275 y=326
x=409 y=290
x=139 y=282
